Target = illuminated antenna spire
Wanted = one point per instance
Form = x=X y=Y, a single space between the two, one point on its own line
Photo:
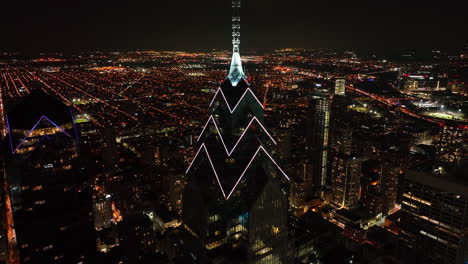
x=236 y=5
x=236 y=73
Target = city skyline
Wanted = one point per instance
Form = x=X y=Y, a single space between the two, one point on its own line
x=248 y=153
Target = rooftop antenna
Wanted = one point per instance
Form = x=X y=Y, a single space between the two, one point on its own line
x=236 y=72
x=236 y=5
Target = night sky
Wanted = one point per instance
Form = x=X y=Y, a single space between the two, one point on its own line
x=174 y=24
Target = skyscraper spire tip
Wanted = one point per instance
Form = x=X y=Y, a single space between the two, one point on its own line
x=236 y=72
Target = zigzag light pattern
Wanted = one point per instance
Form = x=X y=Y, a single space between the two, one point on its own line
x=203 y=146
x=238 y=102
x=240 y=138
x=229 y=152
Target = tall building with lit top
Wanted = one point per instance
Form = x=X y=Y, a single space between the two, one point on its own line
x=235 y=201
x=340 y=86
x=317 y=139
x=49 y=190
x=346 y=174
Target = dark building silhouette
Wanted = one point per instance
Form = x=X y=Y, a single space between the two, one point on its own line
x=48 y=186
x=390 y=174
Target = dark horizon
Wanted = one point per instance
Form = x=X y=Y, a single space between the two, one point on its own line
x=379 y=27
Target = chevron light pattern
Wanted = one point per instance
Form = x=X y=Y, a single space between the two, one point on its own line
x=227 y=193
x=220 y=91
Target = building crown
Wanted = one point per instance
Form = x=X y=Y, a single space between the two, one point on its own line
x=236 y=73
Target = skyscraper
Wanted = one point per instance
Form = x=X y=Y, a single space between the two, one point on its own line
x=340 y=87
x=449 y=145
x=235 y=199
x=49 y=190
x=434 y=217
x=346 y=174
x=317 y=139
x=389 y=175
x=342 y=139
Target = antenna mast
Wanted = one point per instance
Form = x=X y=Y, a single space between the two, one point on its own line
x=236 y=5
x=236 y=73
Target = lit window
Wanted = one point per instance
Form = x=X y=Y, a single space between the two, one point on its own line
x=275 y=230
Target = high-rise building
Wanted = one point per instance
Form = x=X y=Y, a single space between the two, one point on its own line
x=340 y=86
x=449 y=145
x=390 y=175
x=103 y=215
x=49 y=190
x=434 y=217
x=371 y=196
x=236 y=198
x=317 y=140
x=346 y=175
x=341 y=140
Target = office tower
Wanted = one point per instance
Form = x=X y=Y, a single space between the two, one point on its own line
x=390 y=175
x=341 y=139
x=317 y=140
x=102 y=209
x=341 y=129
x=371 y=196
x=235 y=201
x=346 y=175
x=49 y=189
x=434 y=217
x=172 y=186
x=340 y=87
x=449 y=145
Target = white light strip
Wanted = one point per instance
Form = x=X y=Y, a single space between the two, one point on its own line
x=245 y=131
x=214 y=170
x=203 y=130
x=275 y=163
x=214 y=97
x=212 y=166
x=211 y=118
x=220 y=136
x=238 y=102
x=242 y=175
x=191 y=163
